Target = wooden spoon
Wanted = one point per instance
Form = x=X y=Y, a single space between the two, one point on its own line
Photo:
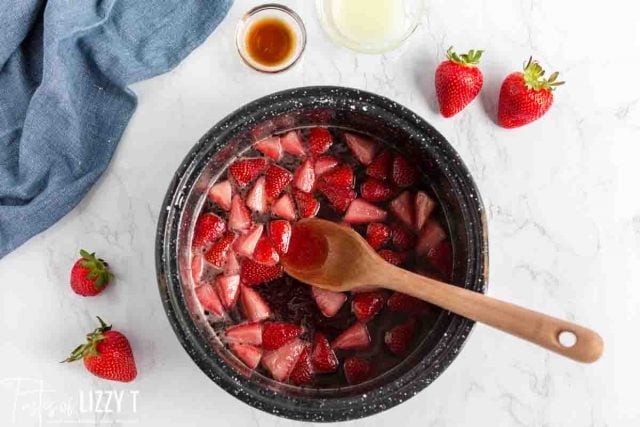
x=334 y=257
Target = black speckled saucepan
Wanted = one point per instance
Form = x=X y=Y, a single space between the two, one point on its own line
x=349 y=109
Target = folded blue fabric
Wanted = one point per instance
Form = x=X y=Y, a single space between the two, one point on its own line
x=64 y=70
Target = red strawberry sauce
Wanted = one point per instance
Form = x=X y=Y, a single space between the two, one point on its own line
x=306 y=248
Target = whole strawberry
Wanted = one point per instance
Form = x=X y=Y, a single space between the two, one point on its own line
x=106 y=354
x=525 y=97
x=90 y=275
x=458 y=81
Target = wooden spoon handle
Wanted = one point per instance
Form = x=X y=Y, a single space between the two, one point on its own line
x=530 y=325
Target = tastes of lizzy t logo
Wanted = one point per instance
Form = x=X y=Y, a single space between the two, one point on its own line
x=32 y=402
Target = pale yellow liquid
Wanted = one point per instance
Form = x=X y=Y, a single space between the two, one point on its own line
x=368 y=21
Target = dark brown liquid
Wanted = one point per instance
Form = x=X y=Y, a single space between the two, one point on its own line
x=270 y=41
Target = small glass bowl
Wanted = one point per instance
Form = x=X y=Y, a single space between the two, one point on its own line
x=277 y=11
x=410 y=13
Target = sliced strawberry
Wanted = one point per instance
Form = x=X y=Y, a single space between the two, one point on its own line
x=305 y=177
x=277 y=334
x=277 y=180
x=284 y=208
x=341 y=177
x=356 y=370
x=245 y=333
x=366 y=305
x=339 y=197
x=255 y=308
x=355 y=337
x=403 y=207
x=270 y=147
x=307 y=206
x=378 y=235
x=265 y=253
x=249 y=354
x=256 y=197
x=403 y=173
x=424 y=207
x=245 y=170
x=380 y=167
x=292 y=144
x=221 y=194
x=324 y=164
x=197 y=265
x=328 y=302
x=430 y=236
x=281 y=362
x=245 y=245
x=392 y=257
x=280 y=234
x=440 y=257
x=217 y=253
x=361 y=212
x=404 y=303
x=323 y=359
x=253 y=273
x=320 y=140
x=399 y=337
x=228 y=289
x=209 y=299
x=239 y=217
x=363 y=148
x=231 y=264
x=208 y=228
x=375 y=191
x=402 y=238
x=302 y=372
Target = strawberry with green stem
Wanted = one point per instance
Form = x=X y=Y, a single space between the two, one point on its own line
x=90 y=274
x=458 y=81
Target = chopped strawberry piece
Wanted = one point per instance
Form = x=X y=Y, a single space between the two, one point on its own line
x=404 y=303
x=378 y=235
x=424 y=207
x=256 y=198
x=228 y=289
x=270 y=147
x=197 y=265
x=360 y=212
x=366 y=305
x=277 y=334
x=208 y=228
x=302 y=372
x=245 y=170
x=324 y=164
x=239 y=217
x=341 y=176
x=403 y=207
x=323 y=359
x=277 y=180
x=249 y=354
x=281 y=362
x=440 y=257
x=340 y=198
x=217 y=254
x=280 y=234
x=363 y=148
x=284 y=208
x=245 y=245
x=245 y=333
x=209 y=299
x=221 y=194
x=265 y=253
x=305 y=177
x=255 y=308
x=392 y=257
x=356 y=337
x=231 y=264
x=402 y=238
x=375 y=191
x=403 y=173
x=292 y=144
x=399 y=337
x=356 y=370
x=253 y=273
x=320 y=140
x=307 y=206
x=430 y=236
x=380 y=167
x=328 y=302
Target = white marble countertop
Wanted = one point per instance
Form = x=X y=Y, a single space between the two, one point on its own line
x=561 y=197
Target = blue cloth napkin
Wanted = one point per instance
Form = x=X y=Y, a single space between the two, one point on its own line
x=64 y=70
